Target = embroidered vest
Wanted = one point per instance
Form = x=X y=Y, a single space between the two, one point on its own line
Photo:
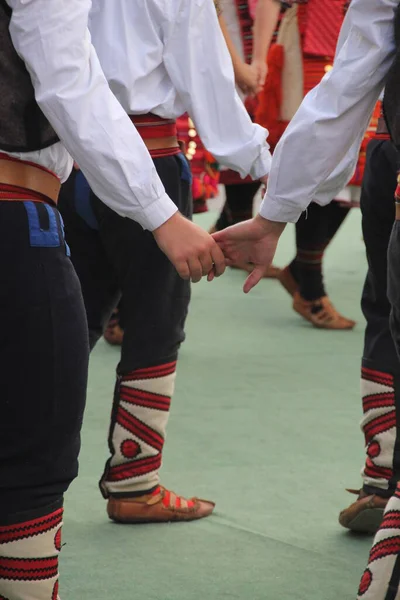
x=23 y=126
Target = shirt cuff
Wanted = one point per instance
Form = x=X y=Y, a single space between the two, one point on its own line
x=279 y=211
x=262 y=165
x=157 y=213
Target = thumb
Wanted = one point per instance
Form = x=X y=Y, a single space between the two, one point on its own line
x=253 y=279
x=237 y=232
x=220 y=236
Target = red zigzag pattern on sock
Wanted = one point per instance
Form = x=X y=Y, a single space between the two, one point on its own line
x=145 y=399
x=13 y=533
x=28 y=569
x=378 y=401
x=376 y=472
x=139 y=429
x=377 y=376
x=151 y=372
x=379 y=425
x=387 y=547
x=391 y=520
x=134 y=468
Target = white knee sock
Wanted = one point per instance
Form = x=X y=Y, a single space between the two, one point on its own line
x=378 y=426
x=29 y=558
x=377 y=577
x=138 y=430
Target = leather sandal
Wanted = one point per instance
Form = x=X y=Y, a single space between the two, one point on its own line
x=161 y=506
x=365 y=514
x=287 y=280
x=321 y=313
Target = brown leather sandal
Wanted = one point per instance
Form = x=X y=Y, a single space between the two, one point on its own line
x=287 y=280
x=321 y=313
x=161 y=506
x=365 y=514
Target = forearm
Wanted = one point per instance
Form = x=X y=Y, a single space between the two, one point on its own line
x=73 y=93
x=210 y=97
x=265 y=22
x=335 y=114
x=234 y=54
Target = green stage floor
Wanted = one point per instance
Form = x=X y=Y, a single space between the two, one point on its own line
x=265 y=421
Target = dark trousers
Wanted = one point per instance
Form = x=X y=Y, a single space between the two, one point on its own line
x=380 y=362
x=314 y=231
x=238 y=205
x=118 y=262
x=44 y=356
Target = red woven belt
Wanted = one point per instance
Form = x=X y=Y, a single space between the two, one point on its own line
x=159 y=135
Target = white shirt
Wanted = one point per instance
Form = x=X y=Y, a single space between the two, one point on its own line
x=165 y=56
x=328 y=128
x=169 y=57
x=73 y=93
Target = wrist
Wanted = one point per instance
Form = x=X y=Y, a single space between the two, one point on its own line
x=270 y=227
x=170 y=221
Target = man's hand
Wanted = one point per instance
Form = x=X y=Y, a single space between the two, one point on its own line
x=191 y=250
x=253 y=241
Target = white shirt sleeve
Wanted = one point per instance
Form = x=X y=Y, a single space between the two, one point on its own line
x=334 y=116
x=198 y=63
x=53 y=40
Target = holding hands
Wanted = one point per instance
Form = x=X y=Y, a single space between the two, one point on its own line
x=196 y=254
x=192 y=251
x=252 y=241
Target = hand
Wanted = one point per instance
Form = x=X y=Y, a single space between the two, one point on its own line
x=261 y=70
x=191 y=250
x=253 y=241
x=246 y=78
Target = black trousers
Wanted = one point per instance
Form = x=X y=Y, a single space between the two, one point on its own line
x=379 y=355
x=44 y=358
x=377 y=207
x=118 y=262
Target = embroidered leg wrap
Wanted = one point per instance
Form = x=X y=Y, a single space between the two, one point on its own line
x=29 y=558
x=380 y=580
x=379 y=428
x=138 y=428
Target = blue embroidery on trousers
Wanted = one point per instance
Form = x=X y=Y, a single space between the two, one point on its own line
x=42 y=238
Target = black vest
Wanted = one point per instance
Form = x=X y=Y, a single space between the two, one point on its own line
x=23 y=126
x=391 y=100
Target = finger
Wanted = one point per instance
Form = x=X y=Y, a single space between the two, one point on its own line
x=219 y=236
x=255 y=277
x=183 y=269
x=206 y=263
x=230 y=254
x=218 y=260
x=211 y=275
x=196 y=271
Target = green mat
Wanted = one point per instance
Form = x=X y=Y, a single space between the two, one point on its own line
x=264 y=422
